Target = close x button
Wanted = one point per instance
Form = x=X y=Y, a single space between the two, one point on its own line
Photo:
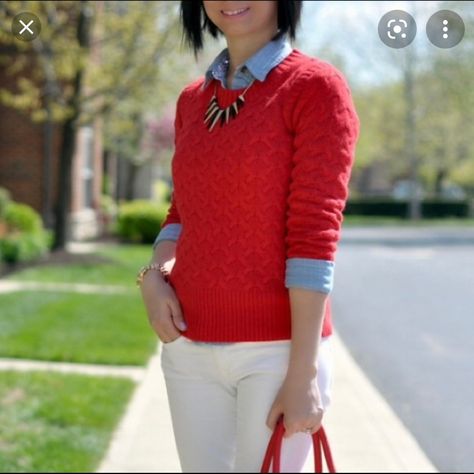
x=26 y=26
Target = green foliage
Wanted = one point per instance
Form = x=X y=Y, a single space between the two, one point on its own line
x=162 y=191
x=439 y=208
x=376 y=207
x=442 y=104
x=132 y=39
x=371 y=221
x=108 y=212
x=26 y=239
x=396 y=208
x=140 y=220
x=108 y=205
x=22 y=218
x=4 y=201
x=25 y=247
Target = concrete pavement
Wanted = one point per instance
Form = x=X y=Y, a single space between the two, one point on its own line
x=25 y=365
x=364 y=432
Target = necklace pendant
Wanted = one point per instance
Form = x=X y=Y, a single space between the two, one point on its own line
x=215 y=114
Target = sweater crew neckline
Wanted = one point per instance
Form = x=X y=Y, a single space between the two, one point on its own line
x=226 y=96
x=284 y=64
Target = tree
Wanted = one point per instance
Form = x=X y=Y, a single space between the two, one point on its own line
x=91 y=56
x=418 y=118
x=447 y=113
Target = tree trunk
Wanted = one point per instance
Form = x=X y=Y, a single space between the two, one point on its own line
x=441 y=174
x=410 y=130
x=63 y=206
x=131 y=178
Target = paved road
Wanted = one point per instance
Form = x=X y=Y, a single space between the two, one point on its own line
x=403 y=305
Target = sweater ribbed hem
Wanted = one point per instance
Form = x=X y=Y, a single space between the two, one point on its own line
x=216 y=315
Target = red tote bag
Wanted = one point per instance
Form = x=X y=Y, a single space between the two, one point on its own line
x=273 y=452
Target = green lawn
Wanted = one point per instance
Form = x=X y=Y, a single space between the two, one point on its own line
x=58 y=423
x=71 y=327
x=125 y=261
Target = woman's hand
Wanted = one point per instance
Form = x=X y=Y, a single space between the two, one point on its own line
x=163 y=308
x=299 y=401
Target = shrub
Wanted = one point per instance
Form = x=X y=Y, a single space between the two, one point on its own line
x=24 y=238
x=4 y=201
x=24 y=247
x=444 y=208
x=22 y=218
x=140 y=220
x=397 y=208
x=108 y=212
x=108 y=205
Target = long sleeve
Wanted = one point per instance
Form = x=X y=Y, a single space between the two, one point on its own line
x=326 y=128
x=171 y=227
x=173 y=215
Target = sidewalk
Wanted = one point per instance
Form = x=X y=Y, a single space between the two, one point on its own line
x=364 y=432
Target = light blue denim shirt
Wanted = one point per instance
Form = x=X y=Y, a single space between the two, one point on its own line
x=308 y=273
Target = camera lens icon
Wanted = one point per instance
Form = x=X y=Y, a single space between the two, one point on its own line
x=397 y=29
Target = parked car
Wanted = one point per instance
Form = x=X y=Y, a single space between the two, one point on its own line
x=453 y=192
x=403 y=190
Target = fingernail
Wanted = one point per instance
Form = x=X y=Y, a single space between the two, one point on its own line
x=182 y=326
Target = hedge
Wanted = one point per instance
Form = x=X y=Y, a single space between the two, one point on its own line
x=140 y=220
x=434 y=208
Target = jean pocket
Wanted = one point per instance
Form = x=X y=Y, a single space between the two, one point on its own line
x=174 y=341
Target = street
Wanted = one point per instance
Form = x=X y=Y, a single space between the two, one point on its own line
x=403 y=305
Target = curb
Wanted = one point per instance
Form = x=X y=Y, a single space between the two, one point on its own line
x=144 y=440
x=365 y=433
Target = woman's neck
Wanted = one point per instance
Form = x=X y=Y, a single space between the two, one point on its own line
x=242 y=48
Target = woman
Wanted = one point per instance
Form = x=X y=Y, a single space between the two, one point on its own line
x=243 y=266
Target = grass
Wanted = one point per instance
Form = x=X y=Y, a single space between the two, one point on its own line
x=72 y=327
x=58 y=422
x=125 y=261
x=63 y=423
x=399 y=222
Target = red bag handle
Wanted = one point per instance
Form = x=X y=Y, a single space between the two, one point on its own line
x=273 y=452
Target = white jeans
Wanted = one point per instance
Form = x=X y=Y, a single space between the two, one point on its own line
x=220 y=396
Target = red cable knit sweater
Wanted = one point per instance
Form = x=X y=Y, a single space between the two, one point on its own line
x=269 y=185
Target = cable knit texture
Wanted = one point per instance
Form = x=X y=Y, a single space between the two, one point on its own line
x=269 y=185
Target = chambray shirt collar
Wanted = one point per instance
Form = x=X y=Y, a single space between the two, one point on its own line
x=257 y=66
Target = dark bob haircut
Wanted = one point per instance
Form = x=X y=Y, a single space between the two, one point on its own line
x=192 y=12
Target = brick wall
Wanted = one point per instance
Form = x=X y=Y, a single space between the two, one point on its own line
x=22 y=169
